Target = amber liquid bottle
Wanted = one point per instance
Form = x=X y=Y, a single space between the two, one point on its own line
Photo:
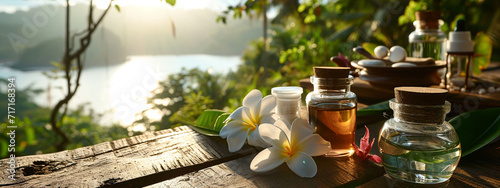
x=332 y=109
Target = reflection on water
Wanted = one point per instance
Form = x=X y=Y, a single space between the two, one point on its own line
x=120 y=91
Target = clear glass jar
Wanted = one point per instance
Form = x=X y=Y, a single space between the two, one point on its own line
x=457 y=72
x=427 y=41
x=332 y=111
x=288 y=100
x=418 y=145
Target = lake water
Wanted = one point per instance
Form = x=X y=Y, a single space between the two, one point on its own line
x=120 y=91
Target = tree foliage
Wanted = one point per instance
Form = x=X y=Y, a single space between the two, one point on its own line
x=301 y=36
x=307 y=34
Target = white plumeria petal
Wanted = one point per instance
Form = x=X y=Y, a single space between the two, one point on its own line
x=284 y=126
x=237 y=114
x=300 y=130
x=232 y=126
x=254 y=139
x=268 y=159
x=268 y=118
x=252 y=98
x=248 y=117
x=268 y=104
x=314 y=145
x=303 y=165
x=273 y=136
x=253 y=101
x=236 y=139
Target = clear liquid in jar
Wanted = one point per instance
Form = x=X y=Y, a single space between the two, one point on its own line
x=435 y=50
x=421 y=159
x=336 y=124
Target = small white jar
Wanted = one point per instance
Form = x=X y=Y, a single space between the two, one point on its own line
x=288 y=102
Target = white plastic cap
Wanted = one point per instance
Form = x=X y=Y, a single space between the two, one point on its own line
x=287 y=92
x=460 y=41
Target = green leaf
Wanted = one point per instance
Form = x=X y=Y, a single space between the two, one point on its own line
x=352 y=16
x=343 y=33
x=378 y=109
x=3 y=146
x=118 y=8
x=171 y=2
x=210 y=122
x=477 y=128
x=56 y=64
x=219 y=123
x=205 y=131
x=482 y=52
x=372 y=114
x=301 y=8
x=409 y=15
x=29 y=131
x=370 y=47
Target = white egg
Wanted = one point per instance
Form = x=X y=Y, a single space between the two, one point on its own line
x=381 y=51
x=371 y=62
x=404 y=64
x=397 y=54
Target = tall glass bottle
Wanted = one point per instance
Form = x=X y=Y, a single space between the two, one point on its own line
x=427 y=40
x=332 y=108
x=417 y=145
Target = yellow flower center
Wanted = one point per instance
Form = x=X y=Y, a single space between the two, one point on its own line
x=253 y=122
x=289 y=151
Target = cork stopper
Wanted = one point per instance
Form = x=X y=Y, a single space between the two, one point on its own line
x=420 y=95
x=428 y=19
x=331 y=72
x=429 y=104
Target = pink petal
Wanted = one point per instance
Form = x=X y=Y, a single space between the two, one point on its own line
x=358 y=151
x=370 y=146
x=343 y=58
x=340 y=56
x=375 y=158
x=364 y=141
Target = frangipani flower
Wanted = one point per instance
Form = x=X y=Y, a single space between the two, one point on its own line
x=364 y=151
x=294 y=145
x=245 y=121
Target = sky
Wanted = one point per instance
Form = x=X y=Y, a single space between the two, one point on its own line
x=11 y=6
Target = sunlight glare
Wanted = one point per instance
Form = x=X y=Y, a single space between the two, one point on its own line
x=216 y=5
x=153 y=115
x=103 y=4
x=130 y=86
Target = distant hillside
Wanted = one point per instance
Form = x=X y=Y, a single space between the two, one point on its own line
x=29 y=40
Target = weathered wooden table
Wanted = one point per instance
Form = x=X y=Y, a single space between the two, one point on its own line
x=181 y=157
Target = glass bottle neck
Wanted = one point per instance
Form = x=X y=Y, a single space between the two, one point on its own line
x=423 y=114
x=332 y=89
x=428 y=25
x=332 y=86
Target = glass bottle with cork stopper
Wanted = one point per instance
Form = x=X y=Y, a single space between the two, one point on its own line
x=332 y=108
x=418 y=145
x=427 y=40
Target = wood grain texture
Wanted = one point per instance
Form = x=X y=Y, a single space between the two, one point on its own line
x=122 y=160
x=348 y=172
